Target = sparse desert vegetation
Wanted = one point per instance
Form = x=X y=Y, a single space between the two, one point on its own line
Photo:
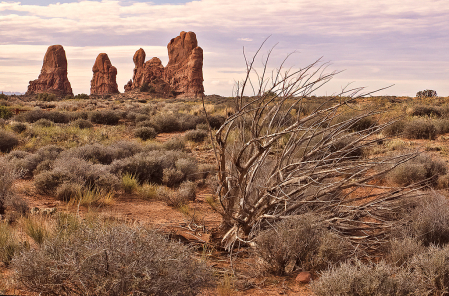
x=124 y=194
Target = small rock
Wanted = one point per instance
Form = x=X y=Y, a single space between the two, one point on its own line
x=304 y=277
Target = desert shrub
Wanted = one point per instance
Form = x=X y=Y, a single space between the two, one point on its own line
x=216 y=121
x=356 y=279
x=141 y=117
x=187 y=190
x=18 y=204
x=18 y=127
x=129 y=183
x=196 y=136
x=9 y=243
x=426 y=111
x=74 y=170
x=166 y=123
x=172 y=177
x=205 y=170
x=432 y=268
x=8 y=174
x=97 y=153
x=188 y=167
x=395 y=129
x=5 y=112
x=419 y=169
x=171 y=197
x=81 y=97
x=82 y=124
x=175 y=143
x=35 y=115
x=144 y=167
x=401 y=251
x=96 y=259
x=46 y=97
x=443 y=182
x=2 y=123
x=148 y=191
x=442 y=126
x=202 y=126
x=104 y=117
x=145 y=133
x=30 y=162
x=43 y=122
x=189 y=122
x=7 y=141
x=302 y=241
x=429 y=222
x=145 y=123
x=420 y=129
x=345 y=141
x=68 y=190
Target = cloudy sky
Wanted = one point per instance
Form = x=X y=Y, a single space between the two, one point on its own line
x=376 y=42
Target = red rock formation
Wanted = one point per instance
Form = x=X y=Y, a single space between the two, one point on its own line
x=104 y=78
x=183 y=74
x=53 y=77
x=184 y=71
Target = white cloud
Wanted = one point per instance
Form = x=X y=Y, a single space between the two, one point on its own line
x=380 y=33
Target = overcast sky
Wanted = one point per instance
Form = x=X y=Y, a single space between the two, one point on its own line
x=376 y=43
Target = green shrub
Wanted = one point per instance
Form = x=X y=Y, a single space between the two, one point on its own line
x=145 y=133
x=46 y=97
x=104 y=117
x=82 y=124
x=7 y=141
x=196 y=136
x=81 y=97
x=420 y=129
x=19 y=127
x=5 y=112
x=96 y=259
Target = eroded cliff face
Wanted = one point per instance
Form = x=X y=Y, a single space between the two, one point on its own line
x=53 y=77
x=183 y=75
x=104 y=80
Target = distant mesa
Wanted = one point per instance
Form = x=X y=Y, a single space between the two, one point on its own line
x=104 y=76
x=183 y=75
x=53 y=77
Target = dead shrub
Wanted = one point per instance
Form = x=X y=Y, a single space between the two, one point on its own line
x=96 y=259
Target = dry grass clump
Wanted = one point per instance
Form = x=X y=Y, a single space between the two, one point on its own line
x=8 y=174
x=98 y=259
x=420 y=169
x=9 y=243
x=301 y=241
x=7 y=141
